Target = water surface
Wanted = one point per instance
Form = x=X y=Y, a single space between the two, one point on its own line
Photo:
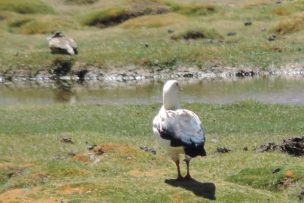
x=267 y=90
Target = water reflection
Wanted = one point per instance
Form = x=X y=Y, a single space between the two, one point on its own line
x=267 y=90
x=63 y=91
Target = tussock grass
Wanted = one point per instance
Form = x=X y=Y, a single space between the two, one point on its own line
x=103 y=17
x=79 y=2
x=155 y=21
x=281 y=11
x=25 y=6
x=116 y=15
x=197 y=33
x=293 y=24
x=194 y=9
x=40 y=25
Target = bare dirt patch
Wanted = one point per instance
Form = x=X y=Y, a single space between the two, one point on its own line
x=151 y=173
x=95 y=154
x=22 y=195
x=118 y=148
x=69 y=189
x=9 y=165
x=82 y=158
x=293 y=146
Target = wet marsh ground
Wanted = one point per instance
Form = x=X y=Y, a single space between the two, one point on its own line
x=44 y=155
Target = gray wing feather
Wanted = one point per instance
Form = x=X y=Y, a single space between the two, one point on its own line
x=182 y=126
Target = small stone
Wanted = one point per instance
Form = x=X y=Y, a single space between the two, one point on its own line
x=247 y=23
x=301 y=195
x=272 y=38
x=66 y=140
x=293 y=146
x=170 y=31
x=71 y=153
x=231 y=33
x=147 y=149
x=214 y=140
x=90 y=146
x=222 y=150
x=269 y=146
x=276 y=170
x=264 y=30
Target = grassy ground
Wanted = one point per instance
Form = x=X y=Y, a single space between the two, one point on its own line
x=151 y=33
x=35 y=165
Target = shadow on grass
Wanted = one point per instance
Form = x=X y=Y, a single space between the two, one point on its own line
x=205 y=190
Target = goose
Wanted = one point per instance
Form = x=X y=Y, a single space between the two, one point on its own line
x=179 y=130
x=61 y=44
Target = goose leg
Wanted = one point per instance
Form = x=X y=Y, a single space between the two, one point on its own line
x=179 y=176
x=188 y=176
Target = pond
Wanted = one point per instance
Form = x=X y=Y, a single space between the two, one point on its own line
x=266 y=90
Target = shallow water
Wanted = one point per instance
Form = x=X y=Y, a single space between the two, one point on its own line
x=267 y=90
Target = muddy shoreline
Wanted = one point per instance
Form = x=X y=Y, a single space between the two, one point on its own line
x=135 y=74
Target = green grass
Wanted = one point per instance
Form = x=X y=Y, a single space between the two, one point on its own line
x=41 y=164
x=191 y=9
x=125 y=26
x=102 y=16
x=25 y=6
x=40 y=25
x=264 y=178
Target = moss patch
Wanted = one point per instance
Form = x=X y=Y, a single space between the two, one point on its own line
x=267 y=178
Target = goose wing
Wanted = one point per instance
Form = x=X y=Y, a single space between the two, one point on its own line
x=182 y=128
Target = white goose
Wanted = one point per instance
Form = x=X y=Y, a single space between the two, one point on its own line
x=178 y=129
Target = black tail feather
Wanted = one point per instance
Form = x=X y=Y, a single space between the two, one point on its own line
x=195 y=150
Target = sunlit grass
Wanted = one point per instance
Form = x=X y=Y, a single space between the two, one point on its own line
x=45 y=24
x=38 y=161
x=155 y=21
x=141 y=34
x=25 y=6
x=292 y=24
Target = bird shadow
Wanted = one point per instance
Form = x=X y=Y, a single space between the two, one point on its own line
x=205 y=190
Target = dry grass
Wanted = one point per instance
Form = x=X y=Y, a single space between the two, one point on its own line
x=44 y=24
x=123 y=43
x=155 y=21
x=281 y=11
x=293 y=24
x=253 y=3
x=25 y=6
